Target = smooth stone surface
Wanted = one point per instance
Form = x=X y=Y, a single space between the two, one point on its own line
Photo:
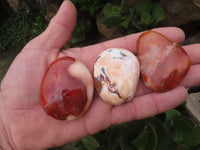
x=163 y=63
x=116 y=75
x=66 y=89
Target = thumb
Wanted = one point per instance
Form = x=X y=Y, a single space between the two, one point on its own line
x=59 y=29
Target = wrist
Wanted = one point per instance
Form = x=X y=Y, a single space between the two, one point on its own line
x=4 y=139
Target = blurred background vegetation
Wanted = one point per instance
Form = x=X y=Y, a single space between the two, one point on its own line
x=22 y=20
x=17 y=28
x=30 y=17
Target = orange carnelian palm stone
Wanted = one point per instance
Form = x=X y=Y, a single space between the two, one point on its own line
x=163 y=63
x=66 y=91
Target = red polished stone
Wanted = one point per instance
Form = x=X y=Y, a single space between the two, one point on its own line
x=62 y=94
x=163 y=62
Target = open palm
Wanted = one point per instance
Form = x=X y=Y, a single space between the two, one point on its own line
x=25 y=123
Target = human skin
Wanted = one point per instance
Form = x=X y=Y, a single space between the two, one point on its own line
x=23 y=123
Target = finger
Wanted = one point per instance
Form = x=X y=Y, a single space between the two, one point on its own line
x=194 y=53
x=148 y=105
x=193 y=77
x=94 y=120
x=142 y=89
x=129 y=42
x=59 y=29
x=89 y=54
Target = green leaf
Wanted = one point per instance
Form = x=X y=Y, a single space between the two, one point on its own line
x=107 y=9
x=115 y=10
x=142 y=139
x=114 y=133
x=183 y=128
x=111 y=21
x=39 y=19
x=178 y=136
x=146 y=18
x=158 y=13
x=136 y=24
x=132 y=130
x=79 y=146
x=172 y=113
x=126 y=23
x=78 y=35
x=27 y=10
x=101 y=138
x=147 y=140
x=164 y=139
x=125 y=146
x=35 y=23
x=124 y=8
x=90 y=143
x=76 y=38
x=127 y=19
x=153 y=138
x=143 y=6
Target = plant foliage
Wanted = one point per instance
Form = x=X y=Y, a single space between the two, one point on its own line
x=144 y=15
x=90 y=6
x=80 y=32
x=87 y=9
x=15 y=31
x=174 y=132
x=18 y=29
x=39 y=24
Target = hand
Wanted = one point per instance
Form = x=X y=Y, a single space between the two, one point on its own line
x=25 y=124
